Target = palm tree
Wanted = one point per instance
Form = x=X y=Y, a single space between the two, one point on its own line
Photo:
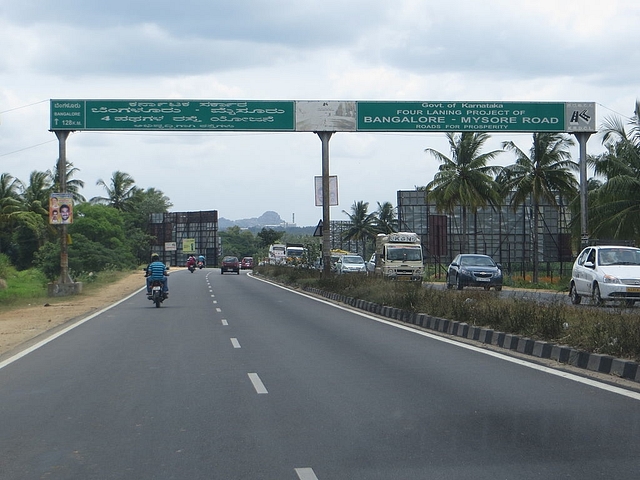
x=10 y=203
x=73 y=185
x=120 y=192
x=615 y=205
x=386 y=221
x=464 y=180
x=10 y=188
x=547 y=171
x=362 y=224
x=36 y=194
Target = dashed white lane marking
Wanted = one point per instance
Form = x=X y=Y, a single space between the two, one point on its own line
x=306 y=474
x=491 y=353
x=224 y=321
x=218 y=309
x=257 y=383
x=235 y=343
x=215 y=301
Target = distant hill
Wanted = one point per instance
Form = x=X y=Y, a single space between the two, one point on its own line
x=267 y=219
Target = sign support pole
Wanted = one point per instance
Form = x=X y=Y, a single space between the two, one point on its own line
x=326 y=203
x=64 y=285
x=583 y=137
x=62 y=174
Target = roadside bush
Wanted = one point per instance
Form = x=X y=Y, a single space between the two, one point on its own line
x=608 y=330
x=85 y=256
x=4 y=266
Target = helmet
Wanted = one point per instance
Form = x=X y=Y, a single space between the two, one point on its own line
x=155 y=257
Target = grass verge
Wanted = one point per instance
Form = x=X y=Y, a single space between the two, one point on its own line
x=610 y=330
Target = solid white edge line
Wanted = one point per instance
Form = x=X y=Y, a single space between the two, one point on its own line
x=257 y=383
x=306 y=474
x=501 y=356
x=51 y=338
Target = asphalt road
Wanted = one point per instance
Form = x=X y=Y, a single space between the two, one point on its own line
x=234 y=378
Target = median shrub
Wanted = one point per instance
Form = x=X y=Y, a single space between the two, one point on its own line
x=609 y=330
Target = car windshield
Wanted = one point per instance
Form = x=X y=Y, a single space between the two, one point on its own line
x=619 y=256
x=352 y=259
x=477 y=260
x=404 y=253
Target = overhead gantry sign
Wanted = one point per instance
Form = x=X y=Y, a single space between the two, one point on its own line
x=325 y=118
x=321 y=116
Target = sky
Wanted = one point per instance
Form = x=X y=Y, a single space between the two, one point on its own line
x=346 y=50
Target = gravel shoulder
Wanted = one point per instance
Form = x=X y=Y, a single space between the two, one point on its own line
x=21 y=326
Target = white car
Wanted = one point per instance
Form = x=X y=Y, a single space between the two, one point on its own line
x=371 y=264
x=351 y=264
x=606 y=273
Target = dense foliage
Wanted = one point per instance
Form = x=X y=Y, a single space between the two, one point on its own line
x=107 y=233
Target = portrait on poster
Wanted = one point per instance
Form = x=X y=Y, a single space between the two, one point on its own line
x=60 y=208
x=333 y=190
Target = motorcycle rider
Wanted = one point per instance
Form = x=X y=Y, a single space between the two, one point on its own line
x=201 y=259
x=191 y=261
x=157 y=271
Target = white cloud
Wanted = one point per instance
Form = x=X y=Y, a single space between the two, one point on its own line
x=330 y=50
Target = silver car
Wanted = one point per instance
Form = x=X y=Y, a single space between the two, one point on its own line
x=606 y=273
x=351 y=264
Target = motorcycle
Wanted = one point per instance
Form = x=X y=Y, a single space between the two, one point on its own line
x=157 y=295
x=200 y=264
x=192 y=267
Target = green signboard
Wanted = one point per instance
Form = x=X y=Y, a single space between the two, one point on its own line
x=175 y=115
x=313 y=116
x=462 y=116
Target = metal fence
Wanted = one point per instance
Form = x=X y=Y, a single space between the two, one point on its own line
x=504 y=233
x=173 y=229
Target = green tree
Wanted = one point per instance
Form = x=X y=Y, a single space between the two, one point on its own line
x=268 y=236
x=99 y=242
x=120 y=191
x=73 y=185
x=543 y=174
x=363 y=224
x=237 y=242
x=465 y=179
x=35 y=195
x=10 y=203
x=615 y=205
x=143 y=204
x=30 y=232
x=30 y=223
x=386 y=221
x=10 y=188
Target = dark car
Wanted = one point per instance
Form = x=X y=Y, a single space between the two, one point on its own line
x=247 y=263
x=474 y=270
x=230 y=264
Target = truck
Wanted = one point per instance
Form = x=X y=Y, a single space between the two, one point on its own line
x=399 y=256
x=294 y=253
x=277 y=254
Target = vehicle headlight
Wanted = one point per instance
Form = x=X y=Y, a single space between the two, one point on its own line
x=611 y=279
